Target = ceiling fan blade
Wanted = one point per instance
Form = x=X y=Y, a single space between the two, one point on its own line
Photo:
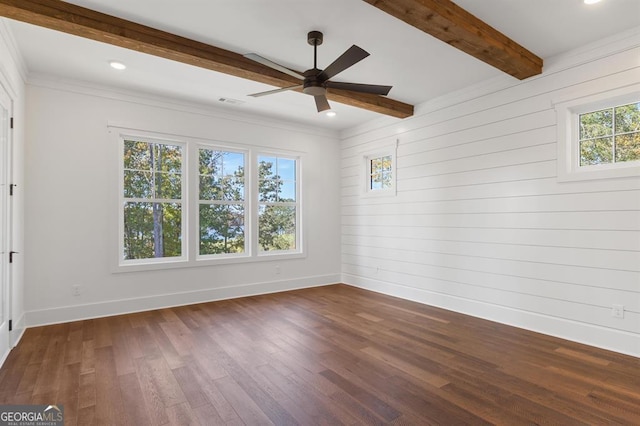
x=322 y=103
x=352 y=56
x=271 y=92
x=271 y=64
x=374 y=89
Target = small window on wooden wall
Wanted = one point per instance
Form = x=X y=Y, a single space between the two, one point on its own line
x=380 y=172
x=610 y=135
x=599 y=135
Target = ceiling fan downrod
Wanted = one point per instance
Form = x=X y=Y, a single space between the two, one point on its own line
x=315 y=39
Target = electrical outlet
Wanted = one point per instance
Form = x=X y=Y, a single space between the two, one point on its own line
x=76 y=290
x=617 y=311
x=278 y=270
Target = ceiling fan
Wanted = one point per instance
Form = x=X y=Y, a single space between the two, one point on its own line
x=315 y=82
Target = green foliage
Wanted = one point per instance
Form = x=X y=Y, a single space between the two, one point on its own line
x=152 y=190
x=153 y=197
x=628 y=147
x=277 y=217
x=221 y=229
x=139 y=236
x=610 y=135
x=277 y=228
x=222 y=224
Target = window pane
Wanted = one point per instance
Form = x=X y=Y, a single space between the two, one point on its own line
x=386 y=179
x=596 y=124
x=221 y=229
x=628 y=118
x=628 y=147
x=152 y=230
x=386 y=163
x=376 y=165
x=596 y=151
x=136 y=155
x=376 y=181
x=277 y=228
x=137 y=184
x=152 y=170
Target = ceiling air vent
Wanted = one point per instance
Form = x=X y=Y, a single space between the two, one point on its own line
x=230 y=101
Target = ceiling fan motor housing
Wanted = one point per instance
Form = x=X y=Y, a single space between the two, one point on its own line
x=312 y=85
x=314 y=38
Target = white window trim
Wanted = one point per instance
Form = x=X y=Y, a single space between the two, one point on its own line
x=568 y=112
x=248 y=170
x=383 y=151
x=299 y=250
x=121 y=199
x=190 y=257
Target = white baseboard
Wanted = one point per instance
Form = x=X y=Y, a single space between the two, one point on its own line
x=125 y=306
x=14 y=337
x=592 y=335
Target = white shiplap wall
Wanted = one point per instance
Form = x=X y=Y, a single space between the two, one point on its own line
x=480 y=223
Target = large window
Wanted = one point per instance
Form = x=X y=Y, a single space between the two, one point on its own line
x=278 y=203
x=222 y=206
x=152 y=213
x=185 y=203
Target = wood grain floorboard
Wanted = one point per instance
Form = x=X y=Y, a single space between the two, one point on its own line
x=322 y=356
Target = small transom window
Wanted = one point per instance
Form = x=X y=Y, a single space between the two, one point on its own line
x=610 y=135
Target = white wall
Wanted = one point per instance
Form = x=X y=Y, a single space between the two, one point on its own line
x=12 y=79
x=481 y=225
x=70 y=204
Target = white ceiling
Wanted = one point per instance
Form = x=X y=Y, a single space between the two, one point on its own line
x=418 y=66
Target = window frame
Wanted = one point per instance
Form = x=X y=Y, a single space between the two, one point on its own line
x=190 y=208
x=245 y=202
x=389 y=150
x=298 y=205
x=122 y=262
x=568 y=136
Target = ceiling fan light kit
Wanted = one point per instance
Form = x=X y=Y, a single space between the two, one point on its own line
x=315 y=81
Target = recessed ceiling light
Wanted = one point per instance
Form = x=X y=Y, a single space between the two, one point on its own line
x=591 y=1
x=331 y=113
x=117 y=65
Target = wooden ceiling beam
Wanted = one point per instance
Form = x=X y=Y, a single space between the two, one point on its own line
x=69 y=18
x=450 y=23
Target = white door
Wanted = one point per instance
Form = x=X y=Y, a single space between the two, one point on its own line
x=5 y=220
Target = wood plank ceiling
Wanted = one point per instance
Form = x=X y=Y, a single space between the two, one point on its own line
x=440 y=18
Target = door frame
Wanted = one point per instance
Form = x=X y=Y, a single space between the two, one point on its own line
x=6 y=221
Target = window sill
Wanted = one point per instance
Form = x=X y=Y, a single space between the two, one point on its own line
x=224 y=260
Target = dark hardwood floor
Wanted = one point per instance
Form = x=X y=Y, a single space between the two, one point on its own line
x=331 y=355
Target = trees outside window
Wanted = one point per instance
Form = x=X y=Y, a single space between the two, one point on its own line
x=222 y=205
x=610 y=135
x=278 y=203
x=153 y=200
x=380 y=172
x=184 y=203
